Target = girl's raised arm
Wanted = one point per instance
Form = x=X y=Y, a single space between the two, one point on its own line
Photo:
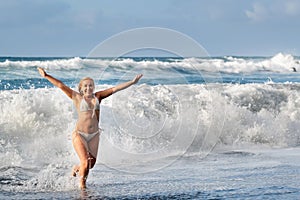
x=68 y=91
x=105 y=93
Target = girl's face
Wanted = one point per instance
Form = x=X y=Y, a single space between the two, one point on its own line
x=87 y=87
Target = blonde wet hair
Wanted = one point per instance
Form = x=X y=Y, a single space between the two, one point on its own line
x=81 y=82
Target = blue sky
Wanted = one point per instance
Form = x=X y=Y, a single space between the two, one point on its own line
x=222 y=27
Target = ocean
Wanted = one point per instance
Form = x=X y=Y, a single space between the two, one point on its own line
x=192 y=128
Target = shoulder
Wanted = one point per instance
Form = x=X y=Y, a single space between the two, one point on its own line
x=104 y=93
x=76 y=96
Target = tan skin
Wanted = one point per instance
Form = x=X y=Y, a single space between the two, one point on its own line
x=86 y=121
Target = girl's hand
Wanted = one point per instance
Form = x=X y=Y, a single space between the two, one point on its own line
x=42 y=72
x=137 y=78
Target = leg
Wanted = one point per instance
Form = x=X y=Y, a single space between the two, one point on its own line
x=83 y=156
x=93 y=148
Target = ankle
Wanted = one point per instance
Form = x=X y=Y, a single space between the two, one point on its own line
x=82 y=182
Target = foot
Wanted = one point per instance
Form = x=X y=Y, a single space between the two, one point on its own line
x=75 y=170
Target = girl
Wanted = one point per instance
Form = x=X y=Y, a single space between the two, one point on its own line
x=85 y=137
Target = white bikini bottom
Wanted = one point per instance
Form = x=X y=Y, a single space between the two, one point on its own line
x=88 y=136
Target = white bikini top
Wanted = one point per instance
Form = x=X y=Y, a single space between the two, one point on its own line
x=84 y=106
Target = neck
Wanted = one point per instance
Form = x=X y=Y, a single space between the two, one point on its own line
x=88 y=96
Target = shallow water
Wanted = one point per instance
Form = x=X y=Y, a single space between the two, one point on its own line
x=231 y=174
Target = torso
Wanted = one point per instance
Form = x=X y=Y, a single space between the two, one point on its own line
x=88 y=114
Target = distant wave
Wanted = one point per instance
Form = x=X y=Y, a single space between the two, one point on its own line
x=281 y=63
x=47 y=63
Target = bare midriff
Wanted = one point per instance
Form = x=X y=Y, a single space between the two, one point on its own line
x=86 y=123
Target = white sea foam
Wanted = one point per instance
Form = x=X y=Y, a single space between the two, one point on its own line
x=32 y=126
x=150 y=122
x=145 y=128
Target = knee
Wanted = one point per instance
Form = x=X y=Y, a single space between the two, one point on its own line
x=85 y=164
x=88 y=163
